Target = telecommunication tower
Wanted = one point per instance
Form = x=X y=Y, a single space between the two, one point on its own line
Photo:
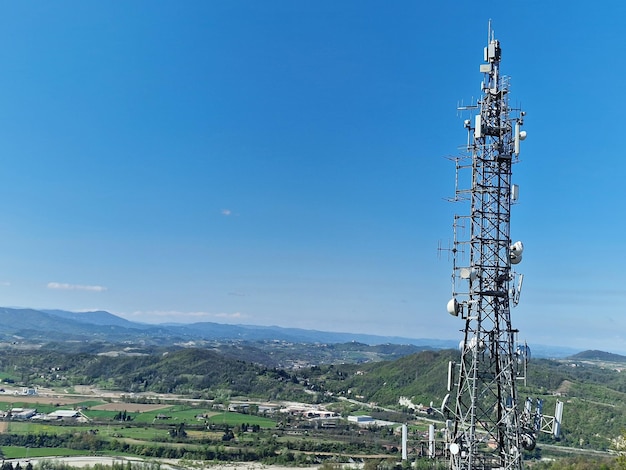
x=487 y=428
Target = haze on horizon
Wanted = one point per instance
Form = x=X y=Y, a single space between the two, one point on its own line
x=283 y=163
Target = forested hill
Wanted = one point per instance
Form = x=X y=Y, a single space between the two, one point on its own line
x=421 y=377
x=199 y=373
x=594 y=355
x=43 y=326
x=594 y=396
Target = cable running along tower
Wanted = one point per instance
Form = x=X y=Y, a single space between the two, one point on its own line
x=487 y=428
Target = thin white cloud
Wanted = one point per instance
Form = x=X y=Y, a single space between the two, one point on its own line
x=226 y=212
x=66 y=286
x=173 y=316
x=230 y=315
x=237 y=294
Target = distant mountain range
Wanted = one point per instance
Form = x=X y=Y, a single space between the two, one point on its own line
x=59 y=325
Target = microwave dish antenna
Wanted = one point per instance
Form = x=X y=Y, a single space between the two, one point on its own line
x=488 y=429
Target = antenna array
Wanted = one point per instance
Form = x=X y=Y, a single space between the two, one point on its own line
x=488 y=430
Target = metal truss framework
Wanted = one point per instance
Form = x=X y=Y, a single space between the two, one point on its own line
x=488 y=431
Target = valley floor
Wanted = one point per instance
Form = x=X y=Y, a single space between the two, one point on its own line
x=164 y=464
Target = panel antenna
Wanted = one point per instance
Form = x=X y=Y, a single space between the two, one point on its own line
x=487 y=428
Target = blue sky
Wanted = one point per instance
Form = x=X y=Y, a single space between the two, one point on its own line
x=283 y=163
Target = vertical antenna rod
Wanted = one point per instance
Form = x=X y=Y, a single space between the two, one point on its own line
x=487 y=431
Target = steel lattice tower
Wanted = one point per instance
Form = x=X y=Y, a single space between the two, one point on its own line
x=487 y=430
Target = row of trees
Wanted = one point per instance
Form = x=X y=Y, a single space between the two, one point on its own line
x=6 y=465
x=266 y=448
x=58 y=465
x=582 y=463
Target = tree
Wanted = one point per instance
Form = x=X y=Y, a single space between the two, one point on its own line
x=228 y=435
x=178 y=431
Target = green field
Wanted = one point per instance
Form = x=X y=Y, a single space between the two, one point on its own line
x=89 y=403
x=12 y=452
x=233 y=419
x=143 y=433
x=143 y=426
x=190 y=416
x=33 y=427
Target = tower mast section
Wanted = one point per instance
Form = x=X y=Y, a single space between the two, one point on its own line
x=487 y=432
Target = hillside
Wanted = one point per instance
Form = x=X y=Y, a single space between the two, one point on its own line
x=193 y=372
x=594 y=355
x=594 y=396
x=98 y=317
x=421 y=377
x=42 y=327
x=99 y=326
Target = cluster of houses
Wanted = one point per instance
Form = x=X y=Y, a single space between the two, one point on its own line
x=22 y=414
x=302 y=412
x=311 y=413
x=368 y=421
x=299 y=410
x=31 y=413
x=27 y=391
x=407 y=403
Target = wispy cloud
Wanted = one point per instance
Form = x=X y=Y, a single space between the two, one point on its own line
x=66 y=286
x=230 y=315
x=173 y=316
x=226 y=212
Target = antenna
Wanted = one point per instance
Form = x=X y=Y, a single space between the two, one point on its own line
x=538 y=422
x=488 y=431
x=518 y=290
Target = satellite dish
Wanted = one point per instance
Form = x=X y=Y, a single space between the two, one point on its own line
x=473 y=342
x=469 y=273
x=515 y=252
x=454 y=448
x=453 y=307
x=444 y=403
x=528 y=441
x=523 y=353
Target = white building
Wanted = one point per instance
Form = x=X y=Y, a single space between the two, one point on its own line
x=63 y=414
